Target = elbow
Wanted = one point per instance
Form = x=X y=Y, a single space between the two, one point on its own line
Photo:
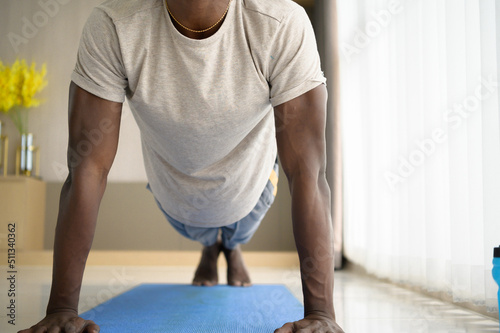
x=306 y=173
x=86 y=173
x=305 y=167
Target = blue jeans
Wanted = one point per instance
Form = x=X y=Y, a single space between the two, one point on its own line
x=239 y=232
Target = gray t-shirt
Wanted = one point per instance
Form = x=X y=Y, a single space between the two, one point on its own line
x=204 y=107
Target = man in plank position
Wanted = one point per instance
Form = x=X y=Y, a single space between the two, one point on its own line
x=219 y=89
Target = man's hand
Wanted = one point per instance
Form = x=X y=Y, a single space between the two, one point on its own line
x=67 y=322
x=311 y=324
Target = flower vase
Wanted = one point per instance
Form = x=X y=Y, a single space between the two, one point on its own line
x=4 y=151
x=26 y=155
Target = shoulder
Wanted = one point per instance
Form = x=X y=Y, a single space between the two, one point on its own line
x=277 y=10
x=119 y=10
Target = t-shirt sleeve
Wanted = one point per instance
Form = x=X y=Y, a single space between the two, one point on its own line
x=99 y=68
x=295 y=67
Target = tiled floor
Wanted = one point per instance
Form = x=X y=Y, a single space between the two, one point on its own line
x=362 y=305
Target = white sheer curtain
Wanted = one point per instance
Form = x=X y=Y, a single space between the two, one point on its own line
x=421 y=141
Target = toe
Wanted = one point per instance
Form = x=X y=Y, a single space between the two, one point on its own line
x=209 y=283
x=235 y=283
x=204 y=283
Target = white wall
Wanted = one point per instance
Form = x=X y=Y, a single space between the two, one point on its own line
x=54 y=40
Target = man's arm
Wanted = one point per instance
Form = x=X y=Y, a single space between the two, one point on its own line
x=300 y=133
x=94 y=125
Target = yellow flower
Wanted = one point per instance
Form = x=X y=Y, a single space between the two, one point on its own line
x=19 y=84
x=18 y=87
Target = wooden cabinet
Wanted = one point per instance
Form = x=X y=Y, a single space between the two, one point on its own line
x=22 y=201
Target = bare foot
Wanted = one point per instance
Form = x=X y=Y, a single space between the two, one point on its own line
x=206 y=273
x=237 y=274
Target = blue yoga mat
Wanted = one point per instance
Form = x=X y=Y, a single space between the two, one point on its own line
x=152 y=308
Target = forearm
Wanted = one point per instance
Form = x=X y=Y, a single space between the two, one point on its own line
x=78 y=208
x=314 y=240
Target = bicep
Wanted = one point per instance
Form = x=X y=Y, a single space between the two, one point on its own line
x=300 y=132
x=94 y=125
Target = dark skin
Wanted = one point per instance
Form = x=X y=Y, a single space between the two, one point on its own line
x=300 y=127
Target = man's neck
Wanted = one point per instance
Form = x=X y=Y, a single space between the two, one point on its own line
x=197 y=15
